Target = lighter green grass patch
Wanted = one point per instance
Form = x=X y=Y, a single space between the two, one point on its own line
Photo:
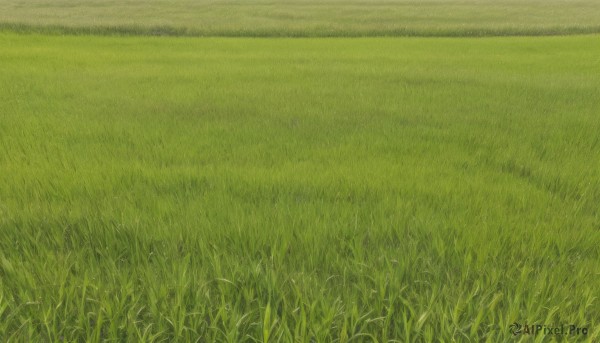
x=303 y=18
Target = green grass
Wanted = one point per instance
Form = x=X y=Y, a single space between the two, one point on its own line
x=303 y=18
x=224 y=189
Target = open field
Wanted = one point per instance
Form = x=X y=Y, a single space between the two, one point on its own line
x=303 y=17
x=225 y=189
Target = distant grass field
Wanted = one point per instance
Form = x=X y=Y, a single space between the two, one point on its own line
x=330 y=190
x=306 y=18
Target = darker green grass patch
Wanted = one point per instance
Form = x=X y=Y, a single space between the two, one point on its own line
x=175 y=31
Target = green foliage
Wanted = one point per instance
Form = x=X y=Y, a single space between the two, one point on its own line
x=310 y=190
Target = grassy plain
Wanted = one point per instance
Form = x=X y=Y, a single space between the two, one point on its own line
x=303 y=17
x=243 y=190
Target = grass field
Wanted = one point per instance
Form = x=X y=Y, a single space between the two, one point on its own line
x=303 y=17
x=304 y=188
x=242 y=190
